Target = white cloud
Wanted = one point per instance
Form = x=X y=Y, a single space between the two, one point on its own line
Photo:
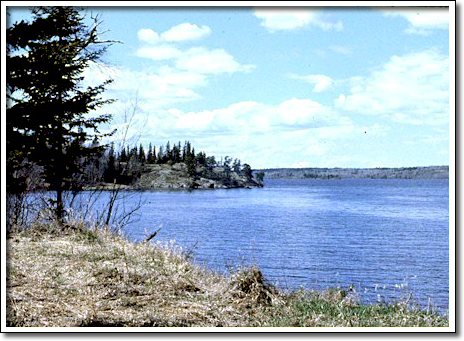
x=409 y=89
x=421 y=20
x=275 y=19
x=304 y=112
x=250 y=116
x=200 y=60
x=208 y=61
x=148 y=36
x=155 y=88
x=181 y=32
x=177 y=77
x=161 y=52
x=185 y=31
x=320 y=82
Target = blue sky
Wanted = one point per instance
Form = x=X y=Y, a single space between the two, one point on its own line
x=282 y=86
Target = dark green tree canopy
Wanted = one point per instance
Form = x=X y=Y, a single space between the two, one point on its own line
x=48 y=109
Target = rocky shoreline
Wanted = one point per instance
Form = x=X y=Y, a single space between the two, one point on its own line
x=176 y=177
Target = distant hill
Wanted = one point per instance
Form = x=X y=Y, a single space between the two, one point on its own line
x=432 y=172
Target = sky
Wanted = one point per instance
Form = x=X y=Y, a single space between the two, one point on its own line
x=281 y=86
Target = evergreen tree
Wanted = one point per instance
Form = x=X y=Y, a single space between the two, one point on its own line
x=110 y=172
x=247 y=171
x=150 y=154
x=142 y=157
x=201 y=158
x=190 y=161
x=227 y=169
x=179 y=148
x=47 y=106
x=123 y=155
x=176 y=154
x=133 y=154
x=236 y=166
x=167 y=153
x=154 y=155
x=160 y=155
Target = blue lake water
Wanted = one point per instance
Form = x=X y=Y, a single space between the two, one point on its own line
x=386 y=237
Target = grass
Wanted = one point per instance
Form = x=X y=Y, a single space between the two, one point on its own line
x=88 y=277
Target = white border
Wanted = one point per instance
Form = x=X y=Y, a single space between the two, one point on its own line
x=452 y=167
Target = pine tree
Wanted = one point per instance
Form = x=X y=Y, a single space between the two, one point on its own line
x=47 y=106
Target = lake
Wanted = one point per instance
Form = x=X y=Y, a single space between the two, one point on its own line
x=386 y=237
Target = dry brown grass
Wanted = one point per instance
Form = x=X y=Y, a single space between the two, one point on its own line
x=92 y=277
x=87 y=277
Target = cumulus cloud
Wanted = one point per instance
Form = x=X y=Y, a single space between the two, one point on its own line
x=148 y=36
x=186 y=31
x=207 y=61
x=203 y=60
x=250 y=116
x=181 y=32
x=276 y=19
x=160 y=52
x=320 y=82
x=421 y=20
x=155 y=88
x=412 y=89
x=295 y=129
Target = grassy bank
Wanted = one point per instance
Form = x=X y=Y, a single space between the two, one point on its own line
x=88 y=277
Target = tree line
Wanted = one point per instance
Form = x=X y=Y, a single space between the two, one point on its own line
x=126 y=165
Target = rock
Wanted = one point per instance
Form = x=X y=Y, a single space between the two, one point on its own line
x=176 y=177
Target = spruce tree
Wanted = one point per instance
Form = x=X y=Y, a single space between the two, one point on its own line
x=160 y=155
x=142 y=157
x=110 y=173
x=123 y=155
x=150 y=154
x=47 y=107
x=167 y=153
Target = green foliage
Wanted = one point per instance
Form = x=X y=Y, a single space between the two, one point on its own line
x=141 y=155
x=247 y=171
x=151 y=155
x=47 y=107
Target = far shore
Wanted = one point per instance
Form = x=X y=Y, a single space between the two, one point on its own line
x=422 y=173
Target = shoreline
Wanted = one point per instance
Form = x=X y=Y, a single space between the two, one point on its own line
x=407 y=173
x=81 y=276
